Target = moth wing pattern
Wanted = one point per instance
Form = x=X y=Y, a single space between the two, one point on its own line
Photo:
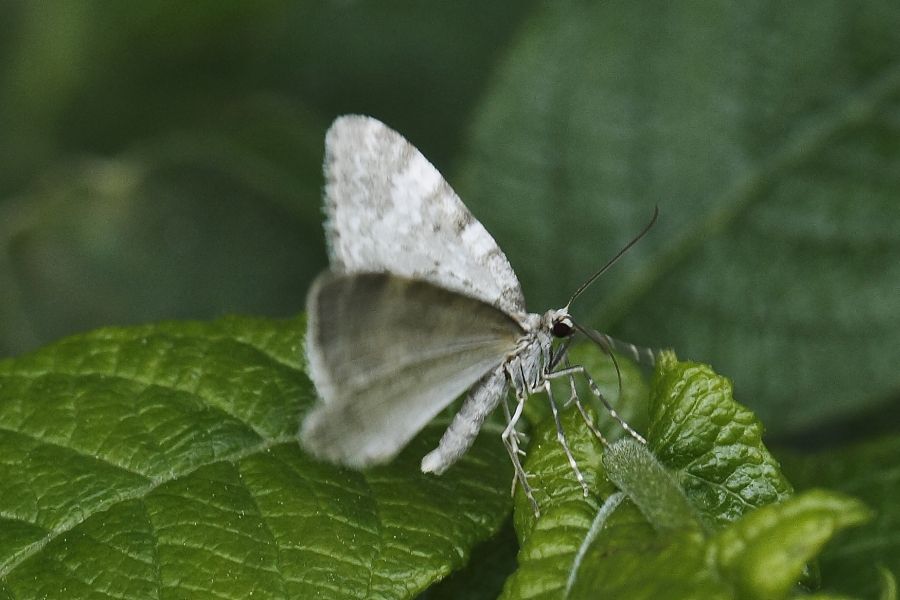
x=387 y=354
x=389 y=210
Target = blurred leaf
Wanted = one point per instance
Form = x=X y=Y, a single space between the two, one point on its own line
x=94 y=76
x=888 y=584
x=218 y=112
x=768 y=135
x=185 y=226
x=870 y=472
x=44 y=57
x=162 y=461
x=419 y=67
x=765 y=552
x=759 y=556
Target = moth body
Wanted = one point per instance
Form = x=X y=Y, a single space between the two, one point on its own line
x=524 y=370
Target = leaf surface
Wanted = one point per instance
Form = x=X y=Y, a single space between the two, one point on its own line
x=161 y=461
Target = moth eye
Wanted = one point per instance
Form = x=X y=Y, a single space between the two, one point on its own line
x=561 y=329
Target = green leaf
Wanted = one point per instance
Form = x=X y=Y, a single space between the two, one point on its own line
x=767 y=134
x=697 y=496
x=888 y=584
x=765 y=553
x=161 y=461
x=712 y=444
x=870 y=472
x=650 y=486
x=550 y=545
x=632 y=560
x=759 y=556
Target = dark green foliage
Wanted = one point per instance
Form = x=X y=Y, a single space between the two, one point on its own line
x=163 y=161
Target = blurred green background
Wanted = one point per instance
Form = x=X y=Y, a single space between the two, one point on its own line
x=162 y=160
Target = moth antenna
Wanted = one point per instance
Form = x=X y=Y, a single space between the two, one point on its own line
x=602 y=341
x=639 y=354
x=615 y=258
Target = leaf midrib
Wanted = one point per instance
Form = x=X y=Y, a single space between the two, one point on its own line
x=806 y=141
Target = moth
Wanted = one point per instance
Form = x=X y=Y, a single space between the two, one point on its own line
x=419 y=306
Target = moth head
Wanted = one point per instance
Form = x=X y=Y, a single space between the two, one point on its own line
x=559 y=322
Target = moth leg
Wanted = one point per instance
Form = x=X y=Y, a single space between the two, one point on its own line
x=518 y=436
x=512 y=446
x=561 y=438
x=584 y=416
x=573 y=393
x=578 y=369
x=515 y=447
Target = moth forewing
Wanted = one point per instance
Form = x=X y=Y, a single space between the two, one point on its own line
x=389 y=210
x=387 y=354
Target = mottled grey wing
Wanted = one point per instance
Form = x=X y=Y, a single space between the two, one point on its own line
x=389 y=353
x=389 y=210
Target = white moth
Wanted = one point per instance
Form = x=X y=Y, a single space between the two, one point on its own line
x=419 y=305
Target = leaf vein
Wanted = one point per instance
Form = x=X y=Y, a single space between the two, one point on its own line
x=138 y=493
